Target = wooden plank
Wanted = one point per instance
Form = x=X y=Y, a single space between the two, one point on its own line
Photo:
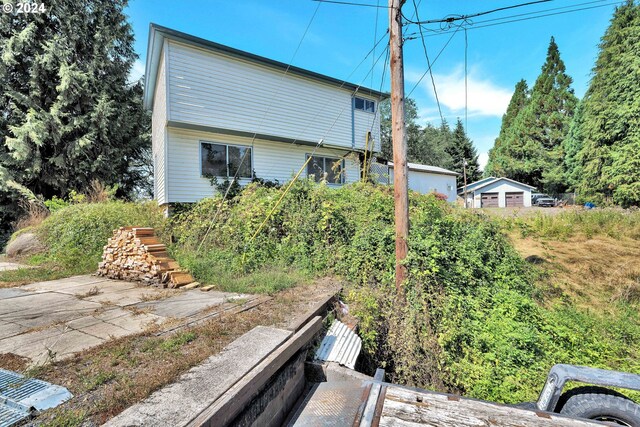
x=405 y=407
x=227 y=407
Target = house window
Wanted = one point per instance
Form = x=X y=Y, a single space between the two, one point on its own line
x=328 y=169
x=225 y=160
x=364 y=105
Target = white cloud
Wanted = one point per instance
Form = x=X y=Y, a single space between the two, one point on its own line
x=483 y=159
x=137 y=71
x=484 y=97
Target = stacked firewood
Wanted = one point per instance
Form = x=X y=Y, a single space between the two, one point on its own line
x=135 y=254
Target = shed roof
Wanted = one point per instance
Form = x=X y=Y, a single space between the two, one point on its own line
x=158 y=33
x=430 y=169
x=491 y=180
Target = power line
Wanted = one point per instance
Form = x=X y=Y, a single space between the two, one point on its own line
x=235 y=176
x=348 y=3
x=541 y=11
x=434 y=61
x=424 y=46
x=473 y=15
x=474 y=26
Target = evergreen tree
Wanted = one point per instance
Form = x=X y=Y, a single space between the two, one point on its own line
x=496 y=164
x=461 y=150
x=609 y=128
x=425 y=145
x=571 y=147
x=68 y=115
x=531 y=149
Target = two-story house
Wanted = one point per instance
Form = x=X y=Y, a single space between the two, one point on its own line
x=219 y=111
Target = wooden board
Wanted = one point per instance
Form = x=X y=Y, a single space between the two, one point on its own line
x=405 y=407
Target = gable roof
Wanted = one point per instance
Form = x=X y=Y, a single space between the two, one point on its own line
x=426 y=168
x=158 y=33
x=491 y=180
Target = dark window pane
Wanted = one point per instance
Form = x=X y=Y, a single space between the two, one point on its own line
x=370 y=106
x=359 y=103
x=240 y=157
x=214 y=159
x=315 y=168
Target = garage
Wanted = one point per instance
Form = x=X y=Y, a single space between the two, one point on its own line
x=490 y=200
x=515 y=199
x=492 y=192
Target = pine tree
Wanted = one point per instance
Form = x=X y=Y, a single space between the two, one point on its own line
x=531 y=150
x=609 y=129
x=68 y=115
x=496 y=165
x=461 y=150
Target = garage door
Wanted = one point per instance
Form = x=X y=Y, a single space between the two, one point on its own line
x=515 y=200
x=489 y=200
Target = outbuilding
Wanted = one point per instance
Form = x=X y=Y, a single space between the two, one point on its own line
x=495 y=192
x=427 y=179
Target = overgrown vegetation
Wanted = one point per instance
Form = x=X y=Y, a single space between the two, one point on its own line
x=75 y=235
x=472 y=321
x=475 y=317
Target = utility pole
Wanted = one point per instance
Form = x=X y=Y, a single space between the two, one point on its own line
x=399 y=138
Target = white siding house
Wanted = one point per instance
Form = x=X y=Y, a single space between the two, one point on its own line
x=497 y=193
x=223 y=112
x=430 y=179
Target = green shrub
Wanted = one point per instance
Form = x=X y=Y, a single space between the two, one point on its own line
x=469 y=321
x=75 y=235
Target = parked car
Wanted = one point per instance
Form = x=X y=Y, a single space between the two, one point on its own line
x=545 y=201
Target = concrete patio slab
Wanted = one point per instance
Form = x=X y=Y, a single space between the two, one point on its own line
x=8 y=329
x=188 y=303
x=69 y=283
x=122 y=297
x=62 y=317
x=6 y=293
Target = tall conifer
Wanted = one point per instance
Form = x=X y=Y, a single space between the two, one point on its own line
x=68 y=114
x=608 y=160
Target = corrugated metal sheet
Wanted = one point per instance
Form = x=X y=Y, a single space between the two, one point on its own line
x=340 y=345
x=20 y=396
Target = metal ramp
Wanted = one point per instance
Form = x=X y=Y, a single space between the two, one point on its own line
x=21 y=397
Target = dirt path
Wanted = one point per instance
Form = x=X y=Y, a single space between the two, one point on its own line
x=108 y=378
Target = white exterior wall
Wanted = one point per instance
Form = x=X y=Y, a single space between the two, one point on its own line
x=158 y=134
x=367 y=122
x=502 y=187
x=428 y=182
x=212 y=89
x=271 y=161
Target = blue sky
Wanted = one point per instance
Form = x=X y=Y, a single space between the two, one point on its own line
x=340 y=36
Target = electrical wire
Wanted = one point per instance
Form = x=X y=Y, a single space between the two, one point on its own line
x=273 y=98
x=473 y=15
x=348 y=3
x=473 y=26
x=429 y=68
x=434 y=61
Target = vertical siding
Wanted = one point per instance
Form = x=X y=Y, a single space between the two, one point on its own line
x=271 y=160
x=212 y=89
x=158 y=135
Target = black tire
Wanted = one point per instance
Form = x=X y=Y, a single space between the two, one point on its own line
x=600 y=404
